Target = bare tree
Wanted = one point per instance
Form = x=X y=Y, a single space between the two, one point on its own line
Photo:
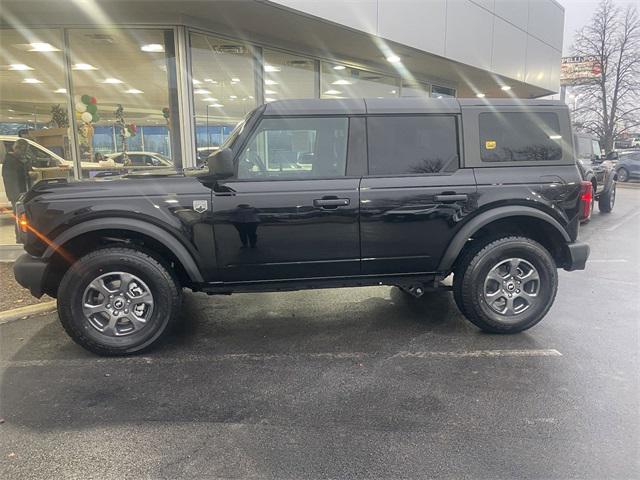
x=610 y=106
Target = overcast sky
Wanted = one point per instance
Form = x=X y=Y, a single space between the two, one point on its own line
x=576 y=14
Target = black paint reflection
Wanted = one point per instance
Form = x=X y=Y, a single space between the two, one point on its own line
x=245 y=219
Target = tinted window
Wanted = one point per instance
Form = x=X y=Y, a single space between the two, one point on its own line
x=296 y=148
x=520 y=137
x=412 y=145
x=583 y=145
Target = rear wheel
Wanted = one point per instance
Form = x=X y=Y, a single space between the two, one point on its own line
x=117 y=301
x=623 y=174
x=607 y=199
x=506 y=285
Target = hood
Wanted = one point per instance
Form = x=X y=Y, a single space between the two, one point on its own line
x=130 y=185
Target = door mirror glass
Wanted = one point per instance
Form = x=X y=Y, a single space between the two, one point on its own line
x=612 y=156
x=221 y=164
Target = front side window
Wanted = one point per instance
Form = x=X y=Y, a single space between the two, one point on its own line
x=412 y=145
x=519 y=137
x=296 y=148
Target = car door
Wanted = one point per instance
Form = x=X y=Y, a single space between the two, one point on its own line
x=415 y=194
x=291 y=211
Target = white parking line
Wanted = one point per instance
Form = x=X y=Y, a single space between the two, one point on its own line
x=262 y=357
x=622 y=222
x=607 y=260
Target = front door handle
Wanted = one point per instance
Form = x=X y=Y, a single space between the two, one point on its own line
x=451 y=197
x=331 y=203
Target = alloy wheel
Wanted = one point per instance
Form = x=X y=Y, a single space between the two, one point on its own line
x=512 y=286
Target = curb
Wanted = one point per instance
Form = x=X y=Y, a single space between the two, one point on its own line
x=25 y=312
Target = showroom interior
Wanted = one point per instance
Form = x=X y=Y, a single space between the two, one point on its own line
x=85 y=82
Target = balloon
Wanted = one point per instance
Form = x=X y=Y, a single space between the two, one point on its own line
x=92 y=108
x=86 y=99
x=87 y=117
x=93 y=101
x=81 y=107
x=95 y=118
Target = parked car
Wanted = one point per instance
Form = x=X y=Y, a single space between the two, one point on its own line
x=628 y=166
x=140 y=159
x=399 y=192
x=600 y=172
x=629 y=142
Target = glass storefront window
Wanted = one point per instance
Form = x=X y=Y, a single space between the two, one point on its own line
x=288 y=76
x=125 y=99
x=223 y=76
x=33 y=106
x=414 y=89
x=442 y=92
x=339 y=81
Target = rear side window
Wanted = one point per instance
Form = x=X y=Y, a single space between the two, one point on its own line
x=520 y=137
x=412 y=144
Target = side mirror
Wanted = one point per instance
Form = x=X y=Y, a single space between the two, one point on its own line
x=612 y=156
x=221 y=164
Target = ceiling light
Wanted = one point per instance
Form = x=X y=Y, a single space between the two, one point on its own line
x=217 y=105
x=271 y=68
x=439 y=96
x=152 y=47
x=251 y=97
x=210 y=99
x=112 y=81
x=233 y=97
x=332 y=92
x=134 y=91
x=201 y=91
x=235 y=80
x=339 y=67
x=480 y=95
x=393 y=59
x=60 y=90
x=210 y=80
x=506 y=88
x=19 y=67
x=42 y=47
x=31 y=80
x=83 y=66
x=271 y=92
x=555 y=137
x=342 y=82
x=269 y=99
x=394 y=91
x=196 y=82
x=270 y=82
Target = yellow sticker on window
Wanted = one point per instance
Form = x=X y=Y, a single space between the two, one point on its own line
x=490 y=144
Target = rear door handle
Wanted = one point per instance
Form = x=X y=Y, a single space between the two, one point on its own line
x=331 y=202
x=451 y=197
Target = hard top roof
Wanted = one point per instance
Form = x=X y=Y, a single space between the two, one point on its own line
x=416 y=105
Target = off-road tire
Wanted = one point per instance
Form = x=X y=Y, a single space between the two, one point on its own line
x=607 y=199
x=164 y=287
x=471 y=271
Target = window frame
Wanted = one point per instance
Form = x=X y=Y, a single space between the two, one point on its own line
x=254 y=127
x=471 y=134
x=459 y=145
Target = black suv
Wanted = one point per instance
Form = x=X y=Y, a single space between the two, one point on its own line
x=318 y=194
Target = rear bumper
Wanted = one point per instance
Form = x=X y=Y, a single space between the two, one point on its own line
x=578 y=253
x=30 y=272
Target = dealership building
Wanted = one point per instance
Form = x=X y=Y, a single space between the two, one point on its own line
x=86 y=79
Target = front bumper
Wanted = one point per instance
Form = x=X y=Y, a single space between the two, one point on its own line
x=30 y=272
x=577 y=256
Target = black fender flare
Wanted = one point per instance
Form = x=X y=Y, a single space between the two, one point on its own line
x=482 y=219
x=145 y=228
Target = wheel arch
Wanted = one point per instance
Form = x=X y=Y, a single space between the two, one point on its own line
x=509 y=220
x=121 y=228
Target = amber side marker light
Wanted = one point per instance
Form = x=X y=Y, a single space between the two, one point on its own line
x=22 y=223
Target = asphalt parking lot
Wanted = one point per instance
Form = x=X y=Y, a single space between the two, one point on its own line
x=352 y=383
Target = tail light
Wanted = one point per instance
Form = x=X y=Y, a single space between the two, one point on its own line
x=586 y=199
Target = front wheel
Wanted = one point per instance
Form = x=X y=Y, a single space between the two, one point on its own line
x=607 y=199
x=117 y=301
x=506 y=285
